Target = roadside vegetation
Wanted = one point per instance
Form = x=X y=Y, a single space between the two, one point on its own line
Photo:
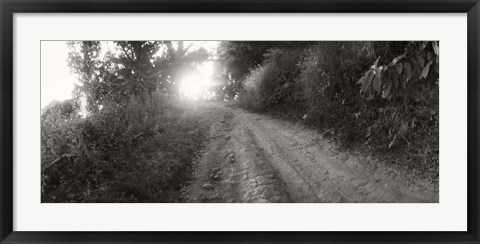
x=122 y=138
x=377 y=97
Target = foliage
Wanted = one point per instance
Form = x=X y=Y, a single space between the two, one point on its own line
x=272 y=83
x=176 y=61
x=135 y=68
x=240 y=56
x=409 y=118
x=406 y=75
x=392 y=110
x=138 y=152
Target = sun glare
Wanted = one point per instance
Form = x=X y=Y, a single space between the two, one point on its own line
x=58 y=82
x=191 y=87
x=196 y=85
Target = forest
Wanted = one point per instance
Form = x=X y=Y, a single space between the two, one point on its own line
x=132 y=131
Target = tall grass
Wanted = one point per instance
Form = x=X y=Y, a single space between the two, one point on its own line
x=139 y=151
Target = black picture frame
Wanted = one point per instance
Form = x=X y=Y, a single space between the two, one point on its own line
x=9 y=7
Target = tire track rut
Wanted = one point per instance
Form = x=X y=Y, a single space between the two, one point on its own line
x=261 y=159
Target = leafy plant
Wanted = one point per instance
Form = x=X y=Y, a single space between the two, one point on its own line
x=399 y=76
x=395 y=112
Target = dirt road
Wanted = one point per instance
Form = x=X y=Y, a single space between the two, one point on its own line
x=256 y=158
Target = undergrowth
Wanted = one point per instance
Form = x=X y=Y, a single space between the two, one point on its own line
x=139 y=151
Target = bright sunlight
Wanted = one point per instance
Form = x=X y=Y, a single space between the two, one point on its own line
x=195 y=85
x=58 y=82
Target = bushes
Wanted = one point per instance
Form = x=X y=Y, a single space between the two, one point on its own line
x=257 y=83
x=272 y=84
x=139 y=151
x=321 y=81
x=328 y=75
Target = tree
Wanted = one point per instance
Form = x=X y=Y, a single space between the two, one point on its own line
x=133 y=68
x=84 y=61
x=177 y=61
x=238 y=59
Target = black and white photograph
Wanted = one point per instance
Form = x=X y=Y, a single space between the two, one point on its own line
x=187 y=121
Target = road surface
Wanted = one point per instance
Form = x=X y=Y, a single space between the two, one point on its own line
x=256 y=158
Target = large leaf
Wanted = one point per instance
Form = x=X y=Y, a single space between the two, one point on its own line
x=368 y=81
x=424 y=44
x=386 y=91
x=370 y=78
x=395 y=60
x=425 y=70
x=435 y=47
x=421 y=59
x=362 y=80
x=374 y=66
x=416 y=68
x=377 y=83
x=399 y=67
